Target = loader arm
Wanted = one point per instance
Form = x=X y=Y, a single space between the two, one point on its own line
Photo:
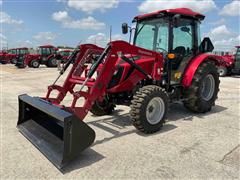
x=97 y=87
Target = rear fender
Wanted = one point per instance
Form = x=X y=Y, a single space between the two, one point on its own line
x=50 y=57
x=194 y=64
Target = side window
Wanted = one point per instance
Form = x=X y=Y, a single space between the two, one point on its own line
x=183 y=37
x=145 y=38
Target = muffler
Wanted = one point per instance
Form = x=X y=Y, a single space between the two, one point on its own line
x=58 y=134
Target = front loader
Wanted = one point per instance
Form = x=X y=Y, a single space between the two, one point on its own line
x=166 y=63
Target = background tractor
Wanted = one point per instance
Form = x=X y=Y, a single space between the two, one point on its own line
x=44 y=55
x=166 y=63
x=11 y=55
x=230 y=64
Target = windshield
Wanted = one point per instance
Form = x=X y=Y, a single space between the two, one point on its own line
x=13 y=51
x=153 y=34
x=65 y=53
x=46 y=51
x=23 y=51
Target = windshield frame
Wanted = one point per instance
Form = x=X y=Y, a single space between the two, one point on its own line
x=138 y=30
x=169 y=19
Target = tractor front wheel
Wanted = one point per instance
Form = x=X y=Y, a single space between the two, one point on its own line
x=102 y=108
x=52 y=62
x=222 y=71
x=148 y=108
x=34 y=64
x=202 y=94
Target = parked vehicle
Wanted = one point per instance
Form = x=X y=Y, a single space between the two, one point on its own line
x=231 y=64
x=164 y=64
x=44 y=55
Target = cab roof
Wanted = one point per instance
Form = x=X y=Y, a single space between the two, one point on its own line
x=47 y=46
x=181 y=11
x=23 y=48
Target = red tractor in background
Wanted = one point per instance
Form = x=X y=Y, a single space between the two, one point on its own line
x=12 y=55
x=44 y=55
x=230 y=64
x=6 y=56
x=64 y=54
x=166 y=63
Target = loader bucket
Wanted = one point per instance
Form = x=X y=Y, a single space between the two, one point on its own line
x=57 y=133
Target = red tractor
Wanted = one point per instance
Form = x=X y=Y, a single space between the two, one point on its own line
x=166 y=63
x=44 y=55
x=230 y=64
x=7 y=56
x=65 y=53
x=12 y=55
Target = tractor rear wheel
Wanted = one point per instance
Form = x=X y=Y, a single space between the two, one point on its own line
x=102 y=108
x=202 y=93
x=222 y=71
x=148 y=108
x=34 y=64
x=52 y=62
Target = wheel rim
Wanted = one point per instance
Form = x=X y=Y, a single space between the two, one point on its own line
x=208 y=87
x=54 y=62
x=35 y=64
x=220 y=71
x=155 y=110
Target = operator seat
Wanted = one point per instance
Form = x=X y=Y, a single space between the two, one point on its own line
x=180 y=52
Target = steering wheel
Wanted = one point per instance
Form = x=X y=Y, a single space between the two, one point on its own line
x=164 y=51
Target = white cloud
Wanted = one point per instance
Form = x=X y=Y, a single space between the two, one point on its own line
x=201 y=6
x=220 y=32
x=92 y=5
x=89 y=23
x=218 y=22
x=7 y=19
x=3 y=41
x=227 y=44
x=102 y=39
x=231 y=9
x=60 y=16
x=45 y=36
x=223 y=38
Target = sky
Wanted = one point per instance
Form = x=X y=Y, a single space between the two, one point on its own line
x=70 y=22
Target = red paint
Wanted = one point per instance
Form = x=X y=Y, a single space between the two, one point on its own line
x=97 y=87
x=194 y=64
x=182 y=11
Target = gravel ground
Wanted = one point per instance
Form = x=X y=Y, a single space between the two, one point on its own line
x=202 y=146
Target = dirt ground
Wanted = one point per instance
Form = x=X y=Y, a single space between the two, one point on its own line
x=189 y=146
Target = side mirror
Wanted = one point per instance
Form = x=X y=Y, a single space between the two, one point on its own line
x=124 y=28
x=206 y=45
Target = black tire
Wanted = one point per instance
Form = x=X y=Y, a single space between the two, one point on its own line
x=222 y=71
x=34 y=64
x=52 y=62
x=102 y=108
x=139 y=105
x=195 y=101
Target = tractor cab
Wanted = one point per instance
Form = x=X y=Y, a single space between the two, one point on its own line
x=175 y=34
x=12 y=51
x=22 y=51
x=46 y=51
